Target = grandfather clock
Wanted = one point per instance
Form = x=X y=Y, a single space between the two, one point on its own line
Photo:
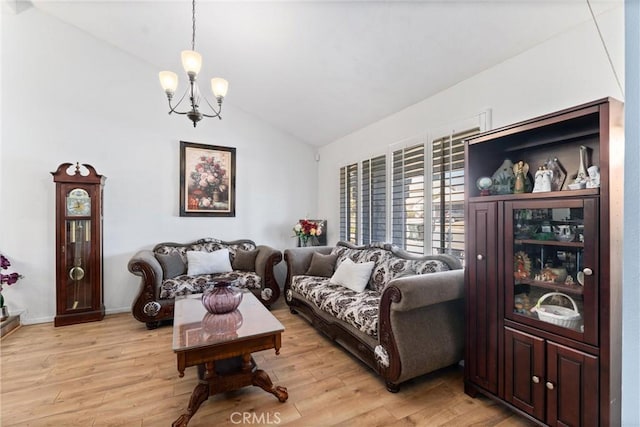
x=79 y=293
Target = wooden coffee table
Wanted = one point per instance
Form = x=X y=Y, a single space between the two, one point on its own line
x=221 y=345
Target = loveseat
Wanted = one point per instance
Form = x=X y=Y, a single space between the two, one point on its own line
x=166 y=272
x=407 y=321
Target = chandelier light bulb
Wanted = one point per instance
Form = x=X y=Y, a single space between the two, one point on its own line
x=168 y=81
x=219 y=87
x=191 y=62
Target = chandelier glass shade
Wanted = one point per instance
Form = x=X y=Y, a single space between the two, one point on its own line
x=192 y=63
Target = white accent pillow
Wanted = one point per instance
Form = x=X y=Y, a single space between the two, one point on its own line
x=199 y=262
x=354 y=276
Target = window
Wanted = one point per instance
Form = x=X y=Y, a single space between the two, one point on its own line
x=413 y=196
x=374 y=200
x=349 y=203
x=447 y=194
x=407 y=199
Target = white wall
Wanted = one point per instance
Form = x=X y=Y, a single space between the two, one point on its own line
x=68 y=97
x=567 y=70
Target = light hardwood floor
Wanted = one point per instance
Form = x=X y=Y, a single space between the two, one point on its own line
x=118 y=373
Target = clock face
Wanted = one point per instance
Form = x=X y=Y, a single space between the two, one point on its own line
x=78 y=203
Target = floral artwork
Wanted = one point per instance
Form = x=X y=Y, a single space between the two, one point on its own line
x=310 y=232
x=207 y=180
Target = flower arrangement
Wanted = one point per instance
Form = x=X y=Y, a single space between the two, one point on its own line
x=306 y=229
x=209 y=182
x=6 y=278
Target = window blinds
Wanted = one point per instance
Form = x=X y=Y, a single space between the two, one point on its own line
x=447 y=191
x=374 y=200
x=349 y=203
x=407 y=216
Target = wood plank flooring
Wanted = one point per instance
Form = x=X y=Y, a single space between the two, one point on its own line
x=118 y=373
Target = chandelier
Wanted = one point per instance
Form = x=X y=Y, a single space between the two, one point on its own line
x=192 y=62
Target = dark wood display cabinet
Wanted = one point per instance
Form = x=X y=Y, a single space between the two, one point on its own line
x=79 y=292
x=544 y=265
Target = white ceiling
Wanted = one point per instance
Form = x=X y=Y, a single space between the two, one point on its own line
x=320 y=70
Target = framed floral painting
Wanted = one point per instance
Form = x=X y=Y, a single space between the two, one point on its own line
x=207 y=180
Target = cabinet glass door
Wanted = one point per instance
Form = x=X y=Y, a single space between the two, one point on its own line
x=551 y=266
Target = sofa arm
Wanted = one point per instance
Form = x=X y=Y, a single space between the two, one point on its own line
x=146 y=305
x=423 y=290
x=145 y=265
x=420 y=325
x=266 y=260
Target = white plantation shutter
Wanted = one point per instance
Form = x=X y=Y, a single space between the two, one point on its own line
x=374 y=200
x=447 y=194
x=349 y=203
x=408 y=193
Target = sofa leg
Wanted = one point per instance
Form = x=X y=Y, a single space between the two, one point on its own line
x=292 y=310
x=393 y=388
x=152 y=325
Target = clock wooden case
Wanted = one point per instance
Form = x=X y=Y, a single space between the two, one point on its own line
x=79 y=274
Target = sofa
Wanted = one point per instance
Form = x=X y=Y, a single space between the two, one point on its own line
x=407 y=321
x=172 y=269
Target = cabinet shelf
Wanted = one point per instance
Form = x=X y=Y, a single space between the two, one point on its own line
x=573 y=136
x=542 y=195
x=548 y=243
x=554 y=286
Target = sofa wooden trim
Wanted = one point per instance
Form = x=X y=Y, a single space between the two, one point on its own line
x=147 y=307
x=401 y=295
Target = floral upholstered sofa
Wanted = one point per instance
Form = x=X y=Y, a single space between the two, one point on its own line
x=407 y=321
x=164 y=273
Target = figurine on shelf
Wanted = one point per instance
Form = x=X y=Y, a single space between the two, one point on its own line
x=558 y=173
x=548 y=275
x=520 y=171
x=543 y=180
x=503 y=178
x=580 y=180
x=484 y=184
x=522 y=266
x=593 y=180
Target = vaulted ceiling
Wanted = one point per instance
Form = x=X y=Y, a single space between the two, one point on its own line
x=320 y=70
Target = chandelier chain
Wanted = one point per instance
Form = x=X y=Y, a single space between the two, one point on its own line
x=193 y=22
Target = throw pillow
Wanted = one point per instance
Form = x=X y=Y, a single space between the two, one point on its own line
x=245 y=260
x=322 y=265
x=172 y=265
x=208 y=262
x=354 y=276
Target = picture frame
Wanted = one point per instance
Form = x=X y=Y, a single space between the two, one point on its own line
x=207 y=180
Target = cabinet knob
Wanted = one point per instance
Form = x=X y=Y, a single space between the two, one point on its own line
x=535 y=379
x=549 y=385
x=587 y=271
x=480 y=257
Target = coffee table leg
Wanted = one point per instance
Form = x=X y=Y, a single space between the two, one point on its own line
x=199 y=395
x=261 y=379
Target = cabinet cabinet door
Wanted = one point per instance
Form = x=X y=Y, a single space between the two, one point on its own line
x=481 y=360
x=524 y=372
x=572 y=387
x=551 y=267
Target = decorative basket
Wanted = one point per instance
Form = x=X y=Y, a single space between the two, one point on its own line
x=558 y=315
